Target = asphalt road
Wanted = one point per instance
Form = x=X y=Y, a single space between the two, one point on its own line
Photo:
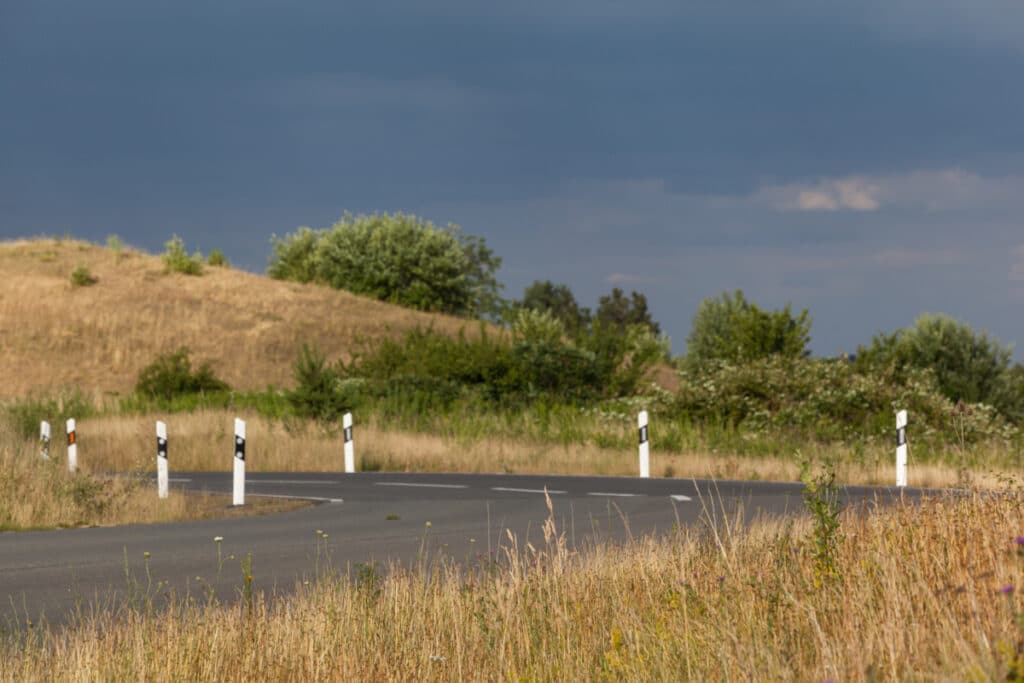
x=367 y=518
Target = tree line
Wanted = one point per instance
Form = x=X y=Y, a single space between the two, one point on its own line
x=409 y=261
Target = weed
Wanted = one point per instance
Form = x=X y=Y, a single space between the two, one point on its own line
x=821 y=498
x=177 y=260
x=81 y=276
x=217 y=259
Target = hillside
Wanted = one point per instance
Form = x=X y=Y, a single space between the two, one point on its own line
x=249 y=327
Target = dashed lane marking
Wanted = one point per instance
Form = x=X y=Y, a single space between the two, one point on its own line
x=417 y=484
x=311 y=482
x=511 y=490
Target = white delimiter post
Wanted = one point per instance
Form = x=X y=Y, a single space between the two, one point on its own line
x=239 y=488
x=350 y=456
x=901 y=448
x=44 y=439
x=72 y=446
x=645 y=452
x=161 y=459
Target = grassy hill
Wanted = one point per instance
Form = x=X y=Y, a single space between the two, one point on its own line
x=98 y=337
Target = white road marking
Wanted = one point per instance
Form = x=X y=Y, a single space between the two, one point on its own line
x=291 y=481
x=179 y=480
x=510 y=490
x=681 y=498
x=618 y=495
x=427 y=486
x=279 y=495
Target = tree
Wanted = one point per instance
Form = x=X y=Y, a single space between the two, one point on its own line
x=730 y=328
x=616 y=310
x=968 y=366
x=398 y=258
x=544 y=296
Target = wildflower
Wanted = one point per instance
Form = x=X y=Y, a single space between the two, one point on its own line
x=1006 y=590
x=1019 y=540
x=146 y=554
x=428 y=524
x=218 y=539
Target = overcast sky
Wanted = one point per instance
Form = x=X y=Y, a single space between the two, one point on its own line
x=863 y=160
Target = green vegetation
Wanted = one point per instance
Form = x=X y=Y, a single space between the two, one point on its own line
x=968 y=366
x=177 y=260
x=735 y=330
x=171 y=375
x=23 y=416
x=82 y=277
x=397 y=258
x=217 y=259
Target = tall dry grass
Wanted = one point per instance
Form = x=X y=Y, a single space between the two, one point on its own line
x=40 y=494
x=924 y=593
x=203 y=441
x=249 y=327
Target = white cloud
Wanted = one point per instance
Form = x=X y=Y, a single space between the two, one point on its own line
x=923 y=190
x=854 y=193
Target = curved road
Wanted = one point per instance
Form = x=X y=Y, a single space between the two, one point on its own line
x=368 y=518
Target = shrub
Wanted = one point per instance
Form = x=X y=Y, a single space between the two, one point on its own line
x=82 y=277
x=319 y=390
x=177 y=260
x=397 y=258
x=171 y=375
x=294 y=256
x=829 y=400
x=217 y=259
x=24 y=415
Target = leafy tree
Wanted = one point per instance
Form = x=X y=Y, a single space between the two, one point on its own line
x=557 y=300
x=171 y=375
x=616 y=310
x=730 y=328
x=968 y=366
x=397 y=258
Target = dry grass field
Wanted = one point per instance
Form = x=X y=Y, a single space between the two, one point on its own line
x=98 y=337
x=927 y=593
x=202 y=441
x=38 y=494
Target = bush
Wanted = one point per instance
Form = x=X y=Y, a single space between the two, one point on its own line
x=294 y=255
x=828 y=400
x=177 y=260
x=217 y=259
x=82 y=277
x=397 y=258
x=319 y=390
x=171 y=375
x=24 y=416
x=968 y=366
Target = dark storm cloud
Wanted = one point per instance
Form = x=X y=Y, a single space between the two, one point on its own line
x=676 y=147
